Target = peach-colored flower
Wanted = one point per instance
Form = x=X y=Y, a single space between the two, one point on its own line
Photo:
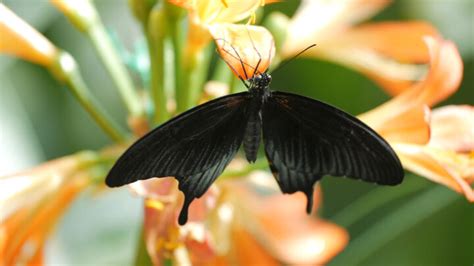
x=205 y=12
x=241 y=46
x=248 y=50
x=31 y=204
x=448 y=158
x=164 y=238
x=242 y=222
x=438 y=146
x=21 y=40
x=452 y=128
x=387 y=52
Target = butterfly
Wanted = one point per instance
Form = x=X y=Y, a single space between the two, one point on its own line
x=304 y=139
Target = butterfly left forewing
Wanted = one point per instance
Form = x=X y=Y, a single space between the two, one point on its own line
x=187 y=144
x=306 y=139
x=194 y=147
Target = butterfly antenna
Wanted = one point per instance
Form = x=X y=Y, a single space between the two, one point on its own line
x=294 y=57
x=270 y=55
x=230 y=54
x=230 y=65
x=235 y=71
x=256 y=51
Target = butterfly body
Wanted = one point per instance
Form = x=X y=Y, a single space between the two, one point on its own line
x=259 y=91
x=304 y=140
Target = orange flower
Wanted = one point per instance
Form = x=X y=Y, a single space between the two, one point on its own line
x=247 y=50
x=242 y=222
x=453 y=128
x=241 y=46
x=448 y=158
x=31 y=204
x=203 y=14
x=387 y=52
x=21 y=40
x=207 y=12
x=279 y=225
x=441 y=148
x=165 y=239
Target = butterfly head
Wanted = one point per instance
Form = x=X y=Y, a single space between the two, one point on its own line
x=260 y=81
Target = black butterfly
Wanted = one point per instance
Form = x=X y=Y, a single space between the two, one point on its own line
x=304 y=140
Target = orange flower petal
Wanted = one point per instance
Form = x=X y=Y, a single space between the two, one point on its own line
x=33 y=228
x=161 y=231
x=163 y=189
x=302 y=240
x=439 y=84
x=402 y=41
x=452 y=128
x=444 y=76
x=316 y=21
x=408 y=124
x=450 y=169
x=386 y=52
x=228 y=10
x=280 y=224
x=415 y=159
x=238 y=220
x=248 y=251
x=164 y=237
x=206 y=12
x=31 y=203
x=27 y=188
x=21 y=40
x=248 y=50
x=459 y=166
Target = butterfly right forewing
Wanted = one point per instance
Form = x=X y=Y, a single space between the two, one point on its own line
x=306 y=139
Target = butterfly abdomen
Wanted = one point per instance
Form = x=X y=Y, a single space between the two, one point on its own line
x=252 y=138
x=253 y=131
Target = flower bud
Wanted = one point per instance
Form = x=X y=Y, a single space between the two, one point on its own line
x=21 y=40
x=81 y=13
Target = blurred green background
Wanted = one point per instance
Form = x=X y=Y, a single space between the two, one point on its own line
x=40 y=120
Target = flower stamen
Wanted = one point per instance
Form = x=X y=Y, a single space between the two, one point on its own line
x=224 y=2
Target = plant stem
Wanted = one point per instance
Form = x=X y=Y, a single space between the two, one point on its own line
x=85 y=18
x=236 y=85
x=66 y=71
x=222 y=72
x=174 y=35
x=141 y=257
x=116 y=68
x=195 y=69
x=155 y=33
x=373 y=200
x=157 y=89
x=394 y=224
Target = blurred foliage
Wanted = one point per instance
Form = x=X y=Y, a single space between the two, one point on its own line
x=104 y=229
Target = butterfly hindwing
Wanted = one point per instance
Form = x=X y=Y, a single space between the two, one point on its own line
x=306 y=139
x=194 y=147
